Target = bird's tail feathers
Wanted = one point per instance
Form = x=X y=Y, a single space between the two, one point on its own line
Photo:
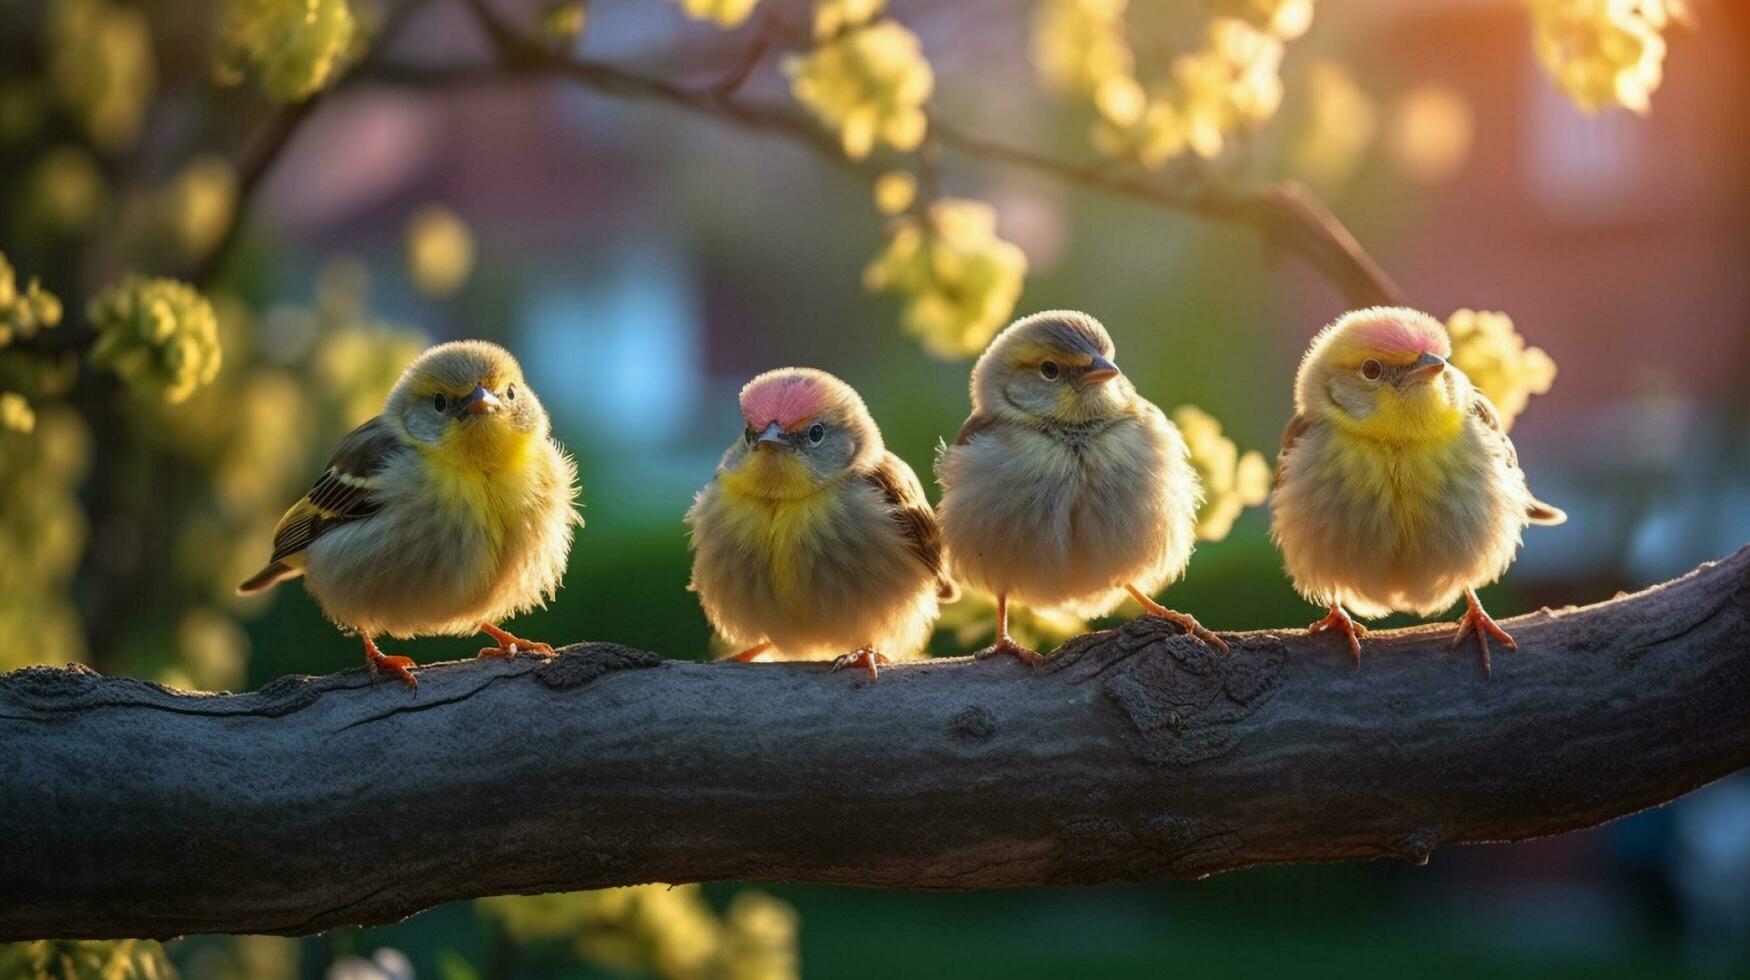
x=267 y=578
x=1542 y=513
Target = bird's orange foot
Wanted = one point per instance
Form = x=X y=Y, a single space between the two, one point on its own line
x=509 y=645
x=1004 y=644
x=864 y=657
x=1184 y=621
x=1475 y=620
x=1340 y=621
x=380 y=664
x=749 y=655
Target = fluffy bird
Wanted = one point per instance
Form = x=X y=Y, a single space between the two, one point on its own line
x=1066 y=489
x=812 y=537
x=1396 y=489
x=447 y=514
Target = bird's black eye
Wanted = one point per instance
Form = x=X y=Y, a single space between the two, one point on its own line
x=1370 y=369
x=750 y=435
x=439 y=402
x=816 y=433
x=1049 y=370
x=510 y=393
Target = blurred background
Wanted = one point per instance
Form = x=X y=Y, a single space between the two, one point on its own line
x=228 y=224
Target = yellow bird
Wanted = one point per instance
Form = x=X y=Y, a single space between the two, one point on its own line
x=446 y=514
x=812 y=538
x=1065 y=488
x=1396 y=489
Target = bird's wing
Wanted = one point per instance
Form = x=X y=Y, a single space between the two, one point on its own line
x=1297 y=427
x=1537 y=512
x=974 y=424
x=899 y=486
x=345 y=491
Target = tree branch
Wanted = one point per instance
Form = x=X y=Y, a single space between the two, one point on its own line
x=274 y=135
x=130 y=810
x=1285 y=213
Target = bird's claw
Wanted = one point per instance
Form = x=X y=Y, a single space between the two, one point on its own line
x=1341 y=621
x=1476 y=621
x=747 y=656
x=864 y=657
x=1004 y=644
x=1185 y=621
x=509 y=645
x=399 y=667
x=1190 y=625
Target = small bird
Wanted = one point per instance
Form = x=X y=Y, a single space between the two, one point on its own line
x=446 y=514
x=1396 y=489
x=812 y=537
x=1066 y=489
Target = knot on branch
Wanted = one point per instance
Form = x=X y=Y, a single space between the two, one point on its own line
x=973 y=722
x=580 y=663
x=1181 y=700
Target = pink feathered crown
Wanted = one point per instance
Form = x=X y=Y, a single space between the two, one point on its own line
x=1402 y=332
x=785 y=397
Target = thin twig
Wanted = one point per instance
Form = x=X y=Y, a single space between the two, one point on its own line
x=1286 y=213
x=275 y=135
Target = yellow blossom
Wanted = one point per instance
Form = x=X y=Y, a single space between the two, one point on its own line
x=563 y=20
x=1155 y=135
x=15 y=412
x=894 y=191
x=1337 y=128
x=870 y=84
x=158 y=334
x=833 y=16
x=1078 y=45
x=358 y=363
x=24 y=312
x=1231 y=482
x=293 y=46
x=1487 y=348
x=440 y=250
x=1604 y=52
x=195 y=210
x=958 y=280
x=1232 y=82
x=1431 y=132
x=667 y=931
x=100 y=61
x=1286 y=19
x=724 y=13
x=110 y=959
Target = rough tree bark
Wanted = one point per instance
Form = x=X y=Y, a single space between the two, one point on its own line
x=130 y=810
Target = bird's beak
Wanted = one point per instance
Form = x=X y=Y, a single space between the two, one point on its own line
x=772 y=438
x=1426 y=368
x=479 y=402
x=1099 y=371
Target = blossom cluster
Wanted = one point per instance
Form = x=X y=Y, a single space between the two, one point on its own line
x=1487 y=348
x=958 y=279
x=1604 y=52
